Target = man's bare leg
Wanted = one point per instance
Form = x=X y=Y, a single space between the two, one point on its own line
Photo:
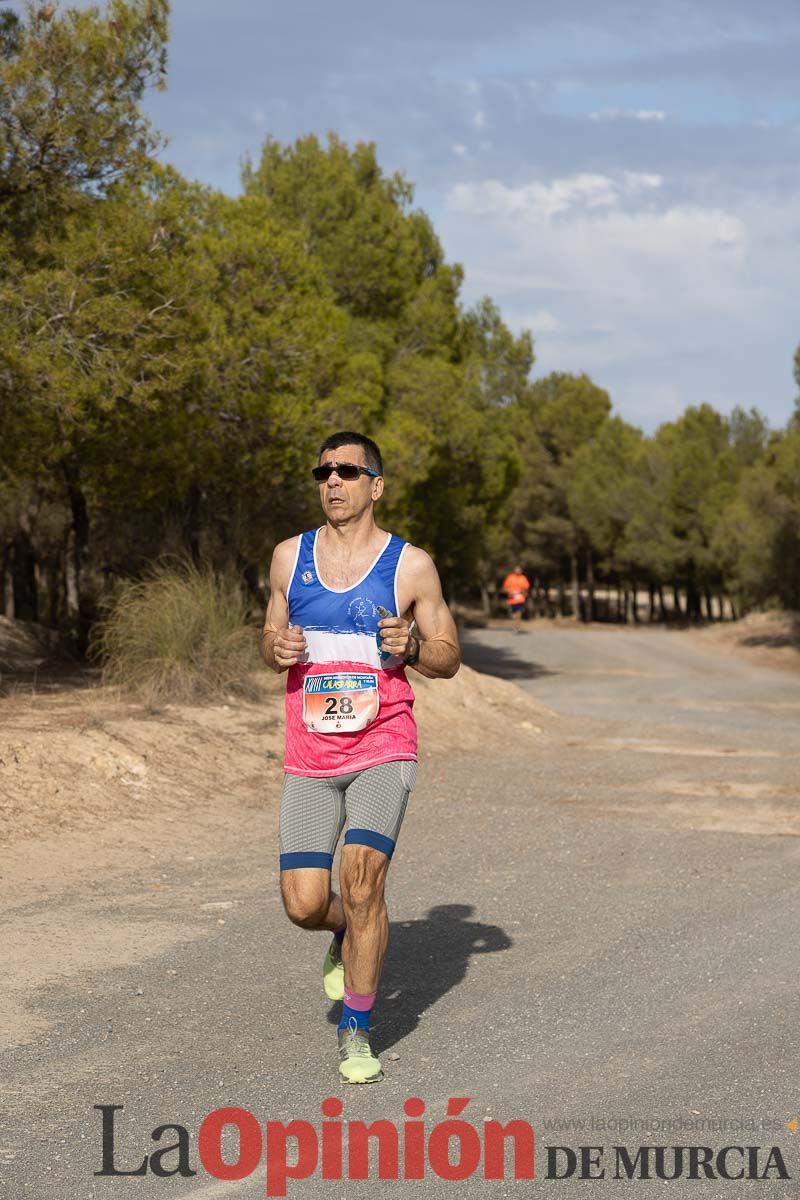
x=308 y=899
x=362 y=877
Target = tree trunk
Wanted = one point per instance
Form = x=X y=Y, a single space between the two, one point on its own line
x=561 y=598
x=486 y=606
x=590 y=583
x=634 y=613
x=23 y=572
x=574 y=586
x=78 y=605
x=676 y=591
x=71 y=579
x=40 y=575
x=651 y=603
x=662 y=608
x=53 y=592
x=7 y=583
x=692 y=596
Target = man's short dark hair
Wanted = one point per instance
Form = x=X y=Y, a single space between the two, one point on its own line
x=372 y=454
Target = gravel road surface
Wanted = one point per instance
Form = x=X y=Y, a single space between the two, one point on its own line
x=593 y=930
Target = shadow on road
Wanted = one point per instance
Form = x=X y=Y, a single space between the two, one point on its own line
x=500 y=661
x=425 y=960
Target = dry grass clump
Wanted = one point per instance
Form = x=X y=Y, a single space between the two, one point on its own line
x=179 y=634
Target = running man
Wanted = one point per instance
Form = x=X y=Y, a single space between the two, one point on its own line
x=351 y=606
x=516 y=586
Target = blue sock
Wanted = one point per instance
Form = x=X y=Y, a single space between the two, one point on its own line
x=356 y=1007
x=339 y=934
x=359 y=1015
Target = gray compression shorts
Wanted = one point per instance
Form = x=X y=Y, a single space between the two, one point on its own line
x=313 y=812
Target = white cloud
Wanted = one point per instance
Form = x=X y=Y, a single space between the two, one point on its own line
x=541 y=321
x=459 y=149
x=537 y=202
x=636 y=181
x=609 y=274
x=628 y=114
x=479 y=119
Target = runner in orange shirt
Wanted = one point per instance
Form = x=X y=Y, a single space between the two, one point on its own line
x=516 y=586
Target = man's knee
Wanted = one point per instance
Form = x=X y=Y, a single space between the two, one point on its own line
x=362 y=881
x=306 y=909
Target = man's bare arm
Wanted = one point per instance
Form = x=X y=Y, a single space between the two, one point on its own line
x=435 y=630
x=281 y=646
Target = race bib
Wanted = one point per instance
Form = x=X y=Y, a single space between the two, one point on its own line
x=339 y=702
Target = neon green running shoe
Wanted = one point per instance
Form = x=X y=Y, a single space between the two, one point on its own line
x=333 y=972
x=357 y=1063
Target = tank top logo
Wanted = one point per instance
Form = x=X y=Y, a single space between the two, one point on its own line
x=307 y=577
x=360 y=610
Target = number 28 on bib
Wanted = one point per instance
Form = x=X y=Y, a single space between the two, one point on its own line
x=339 y=701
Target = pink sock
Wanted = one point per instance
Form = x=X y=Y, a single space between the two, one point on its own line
x=362 y=1002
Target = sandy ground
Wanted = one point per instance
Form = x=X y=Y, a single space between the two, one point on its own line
x=769 y=639
x=76 y=757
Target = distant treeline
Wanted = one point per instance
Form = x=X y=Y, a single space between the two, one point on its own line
x=171 y=357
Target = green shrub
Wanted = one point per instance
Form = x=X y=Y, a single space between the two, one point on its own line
x=178 y=634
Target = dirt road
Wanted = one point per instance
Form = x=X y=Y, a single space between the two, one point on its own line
x=593 y=930
x=668 y=727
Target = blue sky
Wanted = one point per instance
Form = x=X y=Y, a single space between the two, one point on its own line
x=622 y=178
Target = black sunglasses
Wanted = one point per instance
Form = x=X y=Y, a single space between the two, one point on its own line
x=346 y=471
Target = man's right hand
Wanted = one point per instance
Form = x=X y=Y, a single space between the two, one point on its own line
x=289 y=647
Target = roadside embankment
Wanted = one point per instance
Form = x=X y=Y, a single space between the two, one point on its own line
x=76 y=757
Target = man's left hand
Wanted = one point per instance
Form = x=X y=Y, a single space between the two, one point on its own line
x=395 y=636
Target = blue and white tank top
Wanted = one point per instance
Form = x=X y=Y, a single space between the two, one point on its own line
x=342 y=625
x=347 y=708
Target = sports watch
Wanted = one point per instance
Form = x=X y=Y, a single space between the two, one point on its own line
x=412 y=657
